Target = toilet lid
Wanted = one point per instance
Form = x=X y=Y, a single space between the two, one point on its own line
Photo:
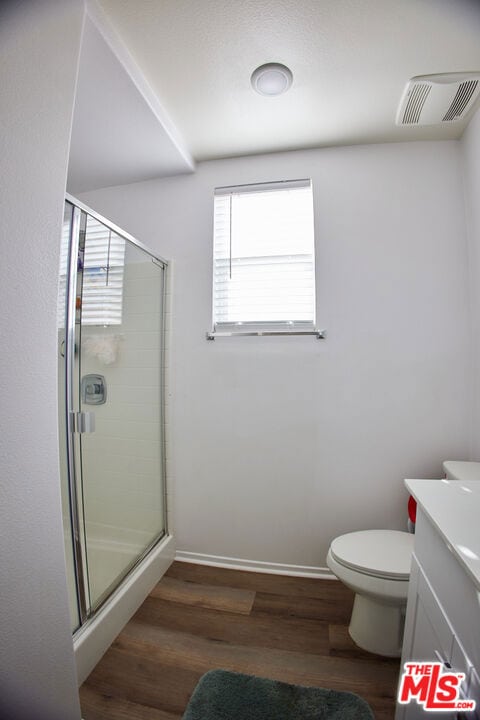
x=385 y=553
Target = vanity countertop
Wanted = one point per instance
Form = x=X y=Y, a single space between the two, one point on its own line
x=453 y=507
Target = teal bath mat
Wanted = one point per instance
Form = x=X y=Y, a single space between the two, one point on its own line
x=224 y=695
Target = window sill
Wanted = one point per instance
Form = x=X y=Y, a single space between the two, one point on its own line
x=319 y=334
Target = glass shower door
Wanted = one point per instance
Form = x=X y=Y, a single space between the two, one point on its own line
x=110 y=350
x=120 y=311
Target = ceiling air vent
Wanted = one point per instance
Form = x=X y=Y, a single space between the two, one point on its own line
x=438 y=99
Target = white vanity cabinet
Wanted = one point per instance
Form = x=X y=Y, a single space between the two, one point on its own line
x=442 y=621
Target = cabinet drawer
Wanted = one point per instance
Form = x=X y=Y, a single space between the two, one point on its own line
x=471 y=685
x=454 y=589
x=473 y=693
x=432 y=613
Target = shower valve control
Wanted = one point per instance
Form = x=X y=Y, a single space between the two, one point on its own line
x=94 y=389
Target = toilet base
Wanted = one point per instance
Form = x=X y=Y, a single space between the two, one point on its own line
x=376 y=627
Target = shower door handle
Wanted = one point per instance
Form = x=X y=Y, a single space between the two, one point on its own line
x=84 y=422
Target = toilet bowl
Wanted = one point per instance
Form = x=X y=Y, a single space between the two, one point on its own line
x=375 y=564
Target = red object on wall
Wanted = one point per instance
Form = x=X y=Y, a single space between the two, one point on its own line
x=412 y=509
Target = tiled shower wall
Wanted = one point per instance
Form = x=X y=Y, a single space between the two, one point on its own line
x=122 y=459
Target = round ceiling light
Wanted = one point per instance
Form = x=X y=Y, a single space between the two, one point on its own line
x=271 y=79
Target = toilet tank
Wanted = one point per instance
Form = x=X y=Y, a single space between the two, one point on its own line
x=461 y=470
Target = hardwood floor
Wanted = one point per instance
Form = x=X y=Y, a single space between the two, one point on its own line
x=199 y=618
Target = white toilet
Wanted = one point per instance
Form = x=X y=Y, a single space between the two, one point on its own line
x=375 y=564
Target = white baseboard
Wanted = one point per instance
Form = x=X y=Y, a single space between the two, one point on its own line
x=323 y=573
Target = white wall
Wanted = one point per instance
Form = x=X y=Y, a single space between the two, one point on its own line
x=470 y=145
x=283 y=443
x=39 y=48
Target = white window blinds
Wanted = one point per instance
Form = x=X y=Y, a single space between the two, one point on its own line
x=103 y=267
x=264 y=264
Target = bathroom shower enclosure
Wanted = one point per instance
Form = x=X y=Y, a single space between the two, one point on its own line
x=111 y=343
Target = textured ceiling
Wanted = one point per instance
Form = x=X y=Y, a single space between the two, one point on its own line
x=350 y=60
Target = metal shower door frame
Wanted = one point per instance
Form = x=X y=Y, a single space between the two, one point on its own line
x=79 y=214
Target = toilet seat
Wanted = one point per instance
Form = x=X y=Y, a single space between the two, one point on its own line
x=384 y=554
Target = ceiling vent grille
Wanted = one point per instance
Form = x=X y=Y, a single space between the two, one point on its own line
x=461 y=100
x=438 y=99
x=415 y=103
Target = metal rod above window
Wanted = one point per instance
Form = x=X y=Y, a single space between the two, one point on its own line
x=263 y=187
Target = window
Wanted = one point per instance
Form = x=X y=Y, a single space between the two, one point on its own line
x=264 y=260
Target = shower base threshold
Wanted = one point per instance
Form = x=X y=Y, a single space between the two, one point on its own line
x=92 y=640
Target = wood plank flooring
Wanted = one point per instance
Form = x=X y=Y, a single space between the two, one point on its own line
x=199 y=618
